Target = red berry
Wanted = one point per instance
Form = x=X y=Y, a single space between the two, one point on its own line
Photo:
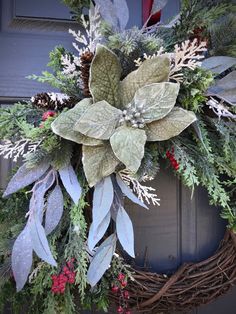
x=127 y=312
x=168 y=154
x=121 y=277
x=54 y=277
x=115 y=289
x=123 y=283
x=48 y=114
x=126 y=294
x=120 y=309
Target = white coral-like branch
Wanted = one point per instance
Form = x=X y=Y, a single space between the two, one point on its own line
x=143 y=192
x=160 y=52
x=219 y=109
x=18 y=149
x=187 y=55
x=69 y=66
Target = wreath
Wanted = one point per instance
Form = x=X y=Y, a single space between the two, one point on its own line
x=129 y=99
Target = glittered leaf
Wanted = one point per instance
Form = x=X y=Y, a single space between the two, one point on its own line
x=122 y=12
x=96 y=233
x=99 y=121
x=158 y=5
x=102 y=200
x=105 y=74
x=172 y=125
x=98 y=162
x=128 y=145
x=21 y=258
x=54 y=209
x=39 y=241
x=101 y=260
x=128 y=192
x=225 y=88
x=157 y=100
x=218 y=64
x=108 y=13
x=125 y=231
x=154 y=70
x=71 y=183
x=25 y=176
x=64 y=124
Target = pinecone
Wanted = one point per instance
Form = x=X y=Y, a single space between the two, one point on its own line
x=85 y=60
x=53 y=101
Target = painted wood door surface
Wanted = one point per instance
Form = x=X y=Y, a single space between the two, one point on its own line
x=182 y=229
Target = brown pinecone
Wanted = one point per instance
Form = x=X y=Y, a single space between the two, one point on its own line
x=85 y=60
x=51 y=101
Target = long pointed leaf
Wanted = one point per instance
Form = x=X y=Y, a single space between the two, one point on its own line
x=101 y=260
x=128 y=192
x=39 y=241
x=24 y=177
x=71 y=183
x=102 y=200
x=95 y=234
x=54 y=209
x=125 y=231
x=21 y=258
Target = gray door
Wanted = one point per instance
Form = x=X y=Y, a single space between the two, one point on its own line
x=181 y=229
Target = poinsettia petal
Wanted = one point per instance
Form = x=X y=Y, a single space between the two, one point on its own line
x=99 y=121
x=128 y=145
x=172 y=125
x=105 y=75
x=64 y=124
x=157 y=100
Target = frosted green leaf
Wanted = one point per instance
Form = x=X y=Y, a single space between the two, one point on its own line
x=172 y=125
x=154 y=70
x=99 y=121
x=157 y=100
x=63 y=125
x=98 y=162
x=105 y=75
x=128 y=146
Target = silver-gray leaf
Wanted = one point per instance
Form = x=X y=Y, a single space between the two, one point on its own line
x=102 y=200
x=21 y=258
x=125 y=231
x=101 y=260
x=122 y=12
x=25 y=176
x=128 y=192
x=108 y=13
x=95 y=234
x=71 y=183
x=39 y=241
x=218 y=64
x=54 y=209
x=158 y=5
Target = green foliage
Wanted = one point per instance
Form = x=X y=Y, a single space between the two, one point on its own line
x=56 y=78
x=196 y=82
x=13 y=116
x=150 y=162
x=77 y=7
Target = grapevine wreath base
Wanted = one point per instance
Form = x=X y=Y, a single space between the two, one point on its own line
x=192 y=285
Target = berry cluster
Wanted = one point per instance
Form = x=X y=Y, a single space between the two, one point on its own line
x=66 y=276
x=118 y=288
x=48 y=114
x=133 y=116
x=171 y=157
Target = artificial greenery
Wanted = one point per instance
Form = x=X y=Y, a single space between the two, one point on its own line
x=145 y=101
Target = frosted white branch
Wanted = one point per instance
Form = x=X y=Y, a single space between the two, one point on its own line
x=187 y=55
x=144 y=193
x=18 y=149
x=219 y=109
x=69 y=66
x=160 y=52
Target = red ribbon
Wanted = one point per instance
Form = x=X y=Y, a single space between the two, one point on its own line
x=146 y=8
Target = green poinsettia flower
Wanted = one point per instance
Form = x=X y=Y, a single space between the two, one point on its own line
x=121 y=116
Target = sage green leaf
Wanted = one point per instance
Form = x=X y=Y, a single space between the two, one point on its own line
x=64 y=124
x=128 y=146
x=154 y=70
x=98 y=162
x=172 y=125
x=99 y=121
x=105 y=75
x=157 y=100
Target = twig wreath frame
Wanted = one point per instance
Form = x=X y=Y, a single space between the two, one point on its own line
x=129 y=98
